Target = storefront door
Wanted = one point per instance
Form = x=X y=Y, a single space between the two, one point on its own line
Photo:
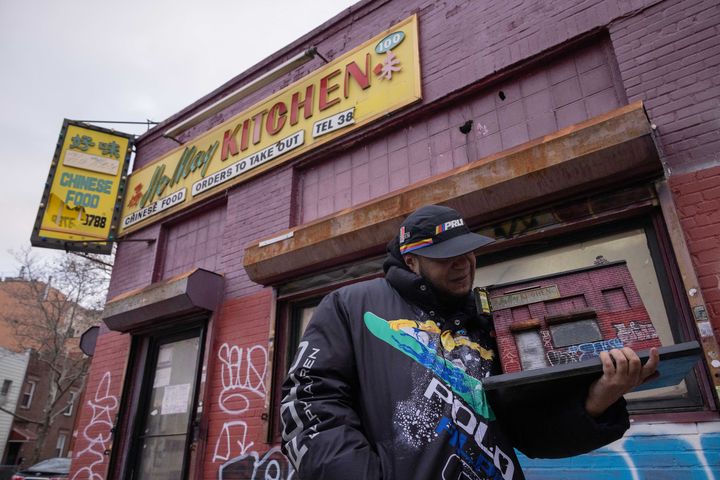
x=162 y=439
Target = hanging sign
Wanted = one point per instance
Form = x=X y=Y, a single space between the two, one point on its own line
x=81 y=203
x=365 y=84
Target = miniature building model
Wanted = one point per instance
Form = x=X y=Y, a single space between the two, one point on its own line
x=569 y=317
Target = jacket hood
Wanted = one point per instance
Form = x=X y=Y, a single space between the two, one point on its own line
x=419 y=291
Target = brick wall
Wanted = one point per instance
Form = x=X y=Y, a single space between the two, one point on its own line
x=100 y=407
x=37 y=372
x=239 y=381
x=193 y=243
x=697 y=198
x=256 y=210
x=571 y=89
x=669 y=57
x=134 y=262
x=493 y=38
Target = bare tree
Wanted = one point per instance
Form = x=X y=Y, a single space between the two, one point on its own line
x=54 y=302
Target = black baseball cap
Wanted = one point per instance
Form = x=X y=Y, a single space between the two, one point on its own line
x=434 y=231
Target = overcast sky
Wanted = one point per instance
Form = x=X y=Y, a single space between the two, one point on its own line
x=131 y=60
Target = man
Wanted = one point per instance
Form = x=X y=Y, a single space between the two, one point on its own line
x=386 y=383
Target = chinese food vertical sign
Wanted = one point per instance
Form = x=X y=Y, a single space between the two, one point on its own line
x=83 y=194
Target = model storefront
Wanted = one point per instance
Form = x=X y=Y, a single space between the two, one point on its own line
x=545 y=127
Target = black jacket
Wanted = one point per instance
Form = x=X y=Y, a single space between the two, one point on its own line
x=386 y=384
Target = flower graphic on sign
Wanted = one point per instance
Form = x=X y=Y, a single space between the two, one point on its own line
x=137 y=196
x=385 y=69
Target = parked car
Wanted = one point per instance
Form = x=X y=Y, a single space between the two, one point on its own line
x=51 y=469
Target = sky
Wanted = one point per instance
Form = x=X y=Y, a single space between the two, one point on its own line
x=132 y=60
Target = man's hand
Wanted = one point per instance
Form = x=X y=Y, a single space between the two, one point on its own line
x=622 y=371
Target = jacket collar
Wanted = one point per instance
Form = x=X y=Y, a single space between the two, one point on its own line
x=420 y=292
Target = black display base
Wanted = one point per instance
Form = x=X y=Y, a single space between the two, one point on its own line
x=676 y=362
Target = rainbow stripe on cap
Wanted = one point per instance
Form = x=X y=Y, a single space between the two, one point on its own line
x=415 y=246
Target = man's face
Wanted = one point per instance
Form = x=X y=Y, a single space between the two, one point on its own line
x=453 y=276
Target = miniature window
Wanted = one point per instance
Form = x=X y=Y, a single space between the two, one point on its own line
x=575 y=333
x=532 y=354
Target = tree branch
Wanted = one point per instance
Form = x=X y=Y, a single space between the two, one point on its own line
x=20 y=417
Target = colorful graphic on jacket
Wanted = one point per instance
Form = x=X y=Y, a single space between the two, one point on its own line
x=449 y=406
x=415 y=340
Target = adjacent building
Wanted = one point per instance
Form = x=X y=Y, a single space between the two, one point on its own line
x=41 y=369
x=12 y=375
x=584 y=137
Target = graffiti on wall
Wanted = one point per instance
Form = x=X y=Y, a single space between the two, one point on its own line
x=98 y=432
x=635 y=332
x=243 y=372
x=243 y=376
x=250 y=466
x=583 y=351
x=660 y=451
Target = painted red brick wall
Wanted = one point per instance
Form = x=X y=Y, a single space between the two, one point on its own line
x=100 y=407
x=461 y=42
x=697 y=198
x=257 y=210
x=239 y=380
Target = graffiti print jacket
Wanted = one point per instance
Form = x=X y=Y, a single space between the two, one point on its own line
x=387 y=384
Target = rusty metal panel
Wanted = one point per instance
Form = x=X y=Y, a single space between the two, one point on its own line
x=599 y=152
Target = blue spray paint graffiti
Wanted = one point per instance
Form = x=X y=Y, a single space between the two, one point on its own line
x=662 y=456
x=662 y=452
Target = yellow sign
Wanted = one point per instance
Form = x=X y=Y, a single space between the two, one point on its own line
x=80 y=206
x=368 y=82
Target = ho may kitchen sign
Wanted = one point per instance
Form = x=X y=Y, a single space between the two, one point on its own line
x=375 y=78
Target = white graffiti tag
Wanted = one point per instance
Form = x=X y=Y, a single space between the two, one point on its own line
x=243 y=377
x=272 y=466
x=635 y=332
x=98 y=432
x=236 y=429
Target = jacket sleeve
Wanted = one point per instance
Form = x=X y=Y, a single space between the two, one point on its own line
x=322 y=434
x=557 y=425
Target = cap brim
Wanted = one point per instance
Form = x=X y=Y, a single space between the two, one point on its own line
x=455 y=246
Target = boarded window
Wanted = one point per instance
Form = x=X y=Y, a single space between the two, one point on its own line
x=575 y=333
x=615 y=299
x=566 y=305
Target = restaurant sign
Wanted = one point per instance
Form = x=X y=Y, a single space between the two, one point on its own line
x=365 y=84
x=525 y=297
x=80 y=206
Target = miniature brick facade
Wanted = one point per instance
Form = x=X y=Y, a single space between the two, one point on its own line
x=605 y=294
